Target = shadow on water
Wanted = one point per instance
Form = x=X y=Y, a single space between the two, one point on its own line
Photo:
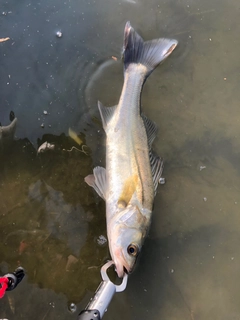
x=51 y=221
x=46 y=227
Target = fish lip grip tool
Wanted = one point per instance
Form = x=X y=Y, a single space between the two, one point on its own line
x=97 y=306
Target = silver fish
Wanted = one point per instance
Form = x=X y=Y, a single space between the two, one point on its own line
x=130 y=180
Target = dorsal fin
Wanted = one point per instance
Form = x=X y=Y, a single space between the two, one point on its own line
x=157 y=169
x=151 y=129
x=98 y=181
x=106 y=113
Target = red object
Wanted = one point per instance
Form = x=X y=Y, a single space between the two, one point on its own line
x=22 y=247
x=4 y=285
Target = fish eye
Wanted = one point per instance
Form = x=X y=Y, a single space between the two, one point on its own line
x=132 y=250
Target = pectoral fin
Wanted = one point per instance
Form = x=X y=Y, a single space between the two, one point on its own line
x=98 y=181
x=128 y=190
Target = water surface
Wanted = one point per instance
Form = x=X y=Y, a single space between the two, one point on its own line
x=51 y=220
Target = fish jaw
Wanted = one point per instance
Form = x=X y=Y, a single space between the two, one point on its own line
x=126 y=229
x=120 y=263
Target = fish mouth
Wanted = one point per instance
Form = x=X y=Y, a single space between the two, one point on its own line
x=121 y=268
x=121 y=265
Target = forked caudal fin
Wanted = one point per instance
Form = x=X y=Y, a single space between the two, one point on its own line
x=149 y=53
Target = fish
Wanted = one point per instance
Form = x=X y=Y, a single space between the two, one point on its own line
x=129 y=183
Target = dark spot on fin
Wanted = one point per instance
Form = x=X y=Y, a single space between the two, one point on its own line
x=11 y=116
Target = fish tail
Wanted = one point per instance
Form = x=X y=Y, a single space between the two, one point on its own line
x=148 y=53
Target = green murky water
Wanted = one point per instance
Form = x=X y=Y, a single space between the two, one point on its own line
x=51 y=220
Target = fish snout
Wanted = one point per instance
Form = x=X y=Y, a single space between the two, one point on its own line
x=121 y=266
x=120 y=270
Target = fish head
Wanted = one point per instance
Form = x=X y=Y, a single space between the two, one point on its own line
x=125 y=240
